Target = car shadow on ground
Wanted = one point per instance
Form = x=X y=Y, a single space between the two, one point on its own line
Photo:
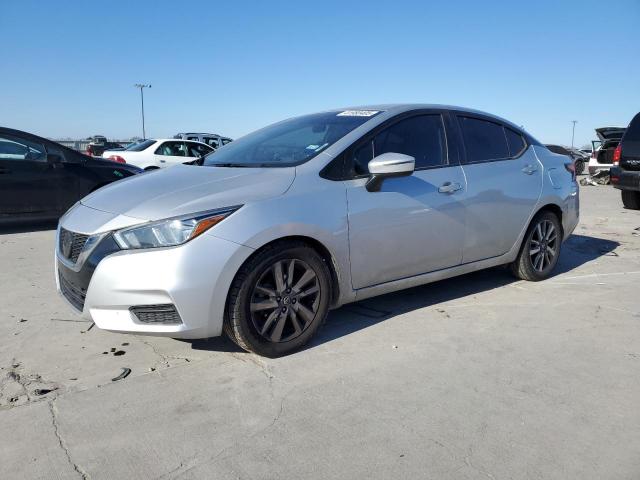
x=576 y=251
x=28 y=227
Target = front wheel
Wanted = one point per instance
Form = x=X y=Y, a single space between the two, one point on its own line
x=278 y=299
x=540 y=249
x=631 y=199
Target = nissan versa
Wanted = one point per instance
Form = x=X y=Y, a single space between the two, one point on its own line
x=280 y=226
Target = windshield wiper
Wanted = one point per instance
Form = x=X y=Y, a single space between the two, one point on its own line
x=240 y=165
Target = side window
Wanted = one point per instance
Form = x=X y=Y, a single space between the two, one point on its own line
x=212 y=142
x=361 y=158
x=423 y=137
x=15 y=148
x=515 y=141
x=192 y=138
x=197 y=149
x=172 y=149
x=483 y=140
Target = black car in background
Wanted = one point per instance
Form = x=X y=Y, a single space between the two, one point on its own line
x=41 y=179
x=97 y=148
x=625 y=172
x=578 y=160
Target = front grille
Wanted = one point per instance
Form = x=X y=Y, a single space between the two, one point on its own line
x=71 y=244
x=74 y=294
x=161 y=313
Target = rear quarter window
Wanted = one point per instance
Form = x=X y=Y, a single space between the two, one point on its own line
x=483 y=140
x=515 y=142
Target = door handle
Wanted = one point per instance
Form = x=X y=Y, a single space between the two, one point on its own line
x=529 y=169
x=449 y=187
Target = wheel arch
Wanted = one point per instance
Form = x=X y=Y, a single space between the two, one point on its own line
x=553 y=208
x=321 y=249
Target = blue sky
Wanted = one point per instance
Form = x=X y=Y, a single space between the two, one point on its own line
x=231 y=67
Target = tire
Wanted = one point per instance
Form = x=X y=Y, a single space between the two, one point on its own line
x=579 y=167
x=631 y=199
x=538 y=265
x=270 y=314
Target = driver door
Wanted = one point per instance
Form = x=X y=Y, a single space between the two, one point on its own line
x=414 y=224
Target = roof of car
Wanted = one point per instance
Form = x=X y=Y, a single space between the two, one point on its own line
x=395 y=108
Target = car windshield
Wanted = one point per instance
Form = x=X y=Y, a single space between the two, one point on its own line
x=138 y=147
x=290 y=142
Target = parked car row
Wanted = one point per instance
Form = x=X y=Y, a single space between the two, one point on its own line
x=276 y=228
x=160 y=153
x=41 y=179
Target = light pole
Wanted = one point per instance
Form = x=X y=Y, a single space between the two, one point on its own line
x=142 y=86
x=573 y=132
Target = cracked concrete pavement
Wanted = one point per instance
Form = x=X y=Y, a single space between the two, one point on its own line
x=471 y=378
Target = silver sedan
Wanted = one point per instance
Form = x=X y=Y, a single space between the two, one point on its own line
x=311 y=213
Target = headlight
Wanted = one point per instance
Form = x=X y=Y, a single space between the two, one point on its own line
x=172 y=231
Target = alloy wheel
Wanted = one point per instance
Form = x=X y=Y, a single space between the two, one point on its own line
x=285 y=300
x=543 y=246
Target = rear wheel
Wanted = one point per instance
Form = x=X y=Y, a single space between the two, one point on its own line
x=631 y=200
x=579 y=167
x=540 y=249
x=278 y=299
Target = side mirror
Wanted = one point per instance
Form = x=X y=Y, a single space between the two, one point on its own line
x=389 y=165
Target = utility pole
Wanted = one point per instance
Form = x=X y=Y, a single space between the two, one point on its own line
x=573 y=132
x=141 y=86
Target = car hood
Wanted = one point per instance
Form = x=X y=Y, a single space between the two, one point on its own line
x=610 y=133
x=185 y=189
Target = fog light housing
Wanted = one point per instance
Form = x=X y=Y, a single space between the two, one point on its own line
x=164 y=313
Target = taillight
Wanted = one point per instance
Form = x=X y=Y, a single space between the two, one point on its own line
x=616 y=154
x=571 y=168
x=117 y=158
x=89 y=151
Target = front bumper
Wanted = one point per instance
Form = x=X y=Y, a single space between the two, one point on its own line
x=194 y=277
x=625 y=179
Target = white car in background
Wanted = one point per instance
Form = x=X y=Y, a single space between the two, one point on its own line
x=159 y=153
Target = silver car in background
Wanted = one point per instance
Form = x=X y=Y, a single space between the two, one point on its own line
x=312 y=213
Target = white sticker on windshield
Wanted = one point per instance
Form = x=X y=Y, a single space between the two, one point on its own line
x=312 y=147
x=358 y=113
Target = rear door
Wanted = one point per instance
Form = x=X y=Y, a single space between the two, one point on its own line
x=414 y=224
x=171 y=152
x=504 y=183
